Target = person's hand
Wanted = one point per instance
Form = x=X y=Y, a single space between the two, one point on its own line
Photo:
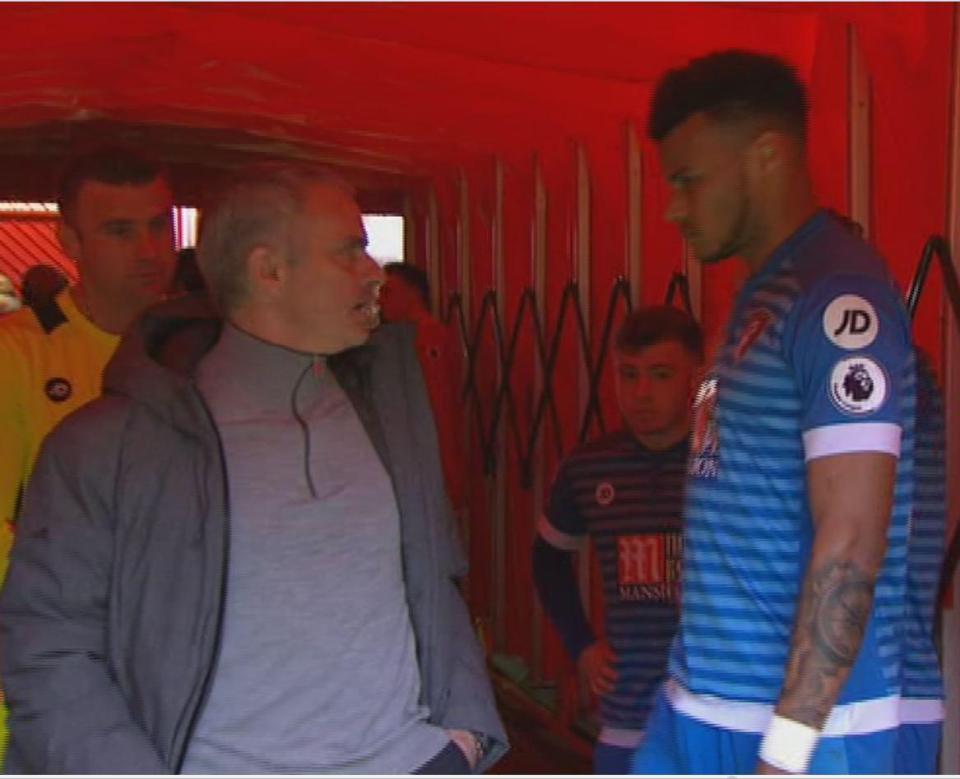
x=596 y=666
x=764 y=768
x=468 y=745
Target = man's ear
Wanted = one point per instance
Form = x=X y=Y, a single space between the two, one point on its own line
x=266 y=271
x=69 y=240
x=768 y=151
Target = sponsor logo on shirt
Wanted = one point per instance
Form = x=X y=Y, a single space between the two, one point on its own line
x=705 y=444
x=754 y=328
x=58 y=390
x=850 y=322
x=604 y=494
x=858 y=385
x=649 y=567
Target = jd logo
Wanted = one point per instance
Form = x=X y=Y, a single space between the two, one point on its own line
x=850 y=322
x=855 y=322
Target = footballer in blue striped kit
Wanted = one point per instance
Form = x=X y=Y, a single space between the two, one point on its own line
x=789 y=653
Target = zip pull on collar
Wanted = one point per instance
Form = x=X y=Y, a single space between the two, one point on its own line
x=304 y=427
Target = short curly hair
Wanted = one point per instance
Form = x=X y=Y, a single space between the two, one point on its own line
x=729 y=86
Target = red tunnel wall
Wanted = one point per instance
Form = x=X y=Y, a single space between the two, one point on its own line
x=910 y=162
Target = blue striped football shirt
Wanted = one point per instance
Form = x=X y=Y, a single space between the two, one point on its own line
x=816 y=361
x=629 y=501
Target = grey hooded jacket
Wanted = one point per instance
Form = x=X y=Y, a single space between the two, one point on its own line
x=112 y=608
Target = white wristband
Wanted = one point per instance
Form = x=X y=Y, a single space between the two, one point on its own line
x=788 y=745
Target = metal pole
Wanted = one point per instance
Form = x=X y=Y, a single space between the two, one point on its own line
x=538 y=245
x=951 y=361
x=434 y=264
x=582 y=268
x=498 y=504
x=634 y=260
x=859 y=139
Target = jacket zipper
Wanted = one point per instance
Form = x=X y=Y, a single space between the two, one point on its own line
x=207 y=681
x=304 y=427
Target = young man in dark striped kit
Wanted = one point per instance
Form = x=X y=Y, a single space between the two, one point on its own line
x=625 y=492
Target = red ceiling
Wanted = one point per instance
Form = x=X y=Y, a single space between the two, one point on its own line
x=398 y=88
x=391 y=89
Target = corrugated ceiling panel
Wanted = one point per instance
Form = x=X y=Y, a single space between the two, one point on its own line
x=25 y=242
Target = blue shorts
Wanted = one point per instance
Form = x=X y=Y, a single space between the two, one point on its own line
x=678 y=744
x=611 y=759
x=917 y=748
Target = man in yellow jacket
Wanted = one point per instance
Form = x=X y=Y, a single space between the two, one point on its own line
x=116 y=224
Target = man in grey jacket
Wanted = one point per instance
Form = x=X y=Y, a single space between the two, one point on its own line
x=241 y=558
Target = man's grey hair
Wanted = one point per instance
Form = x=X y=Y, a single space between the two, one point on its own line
x=257 y=208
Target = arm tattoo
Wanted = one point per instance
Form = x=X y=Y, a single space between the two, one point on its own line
x=831 y=621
